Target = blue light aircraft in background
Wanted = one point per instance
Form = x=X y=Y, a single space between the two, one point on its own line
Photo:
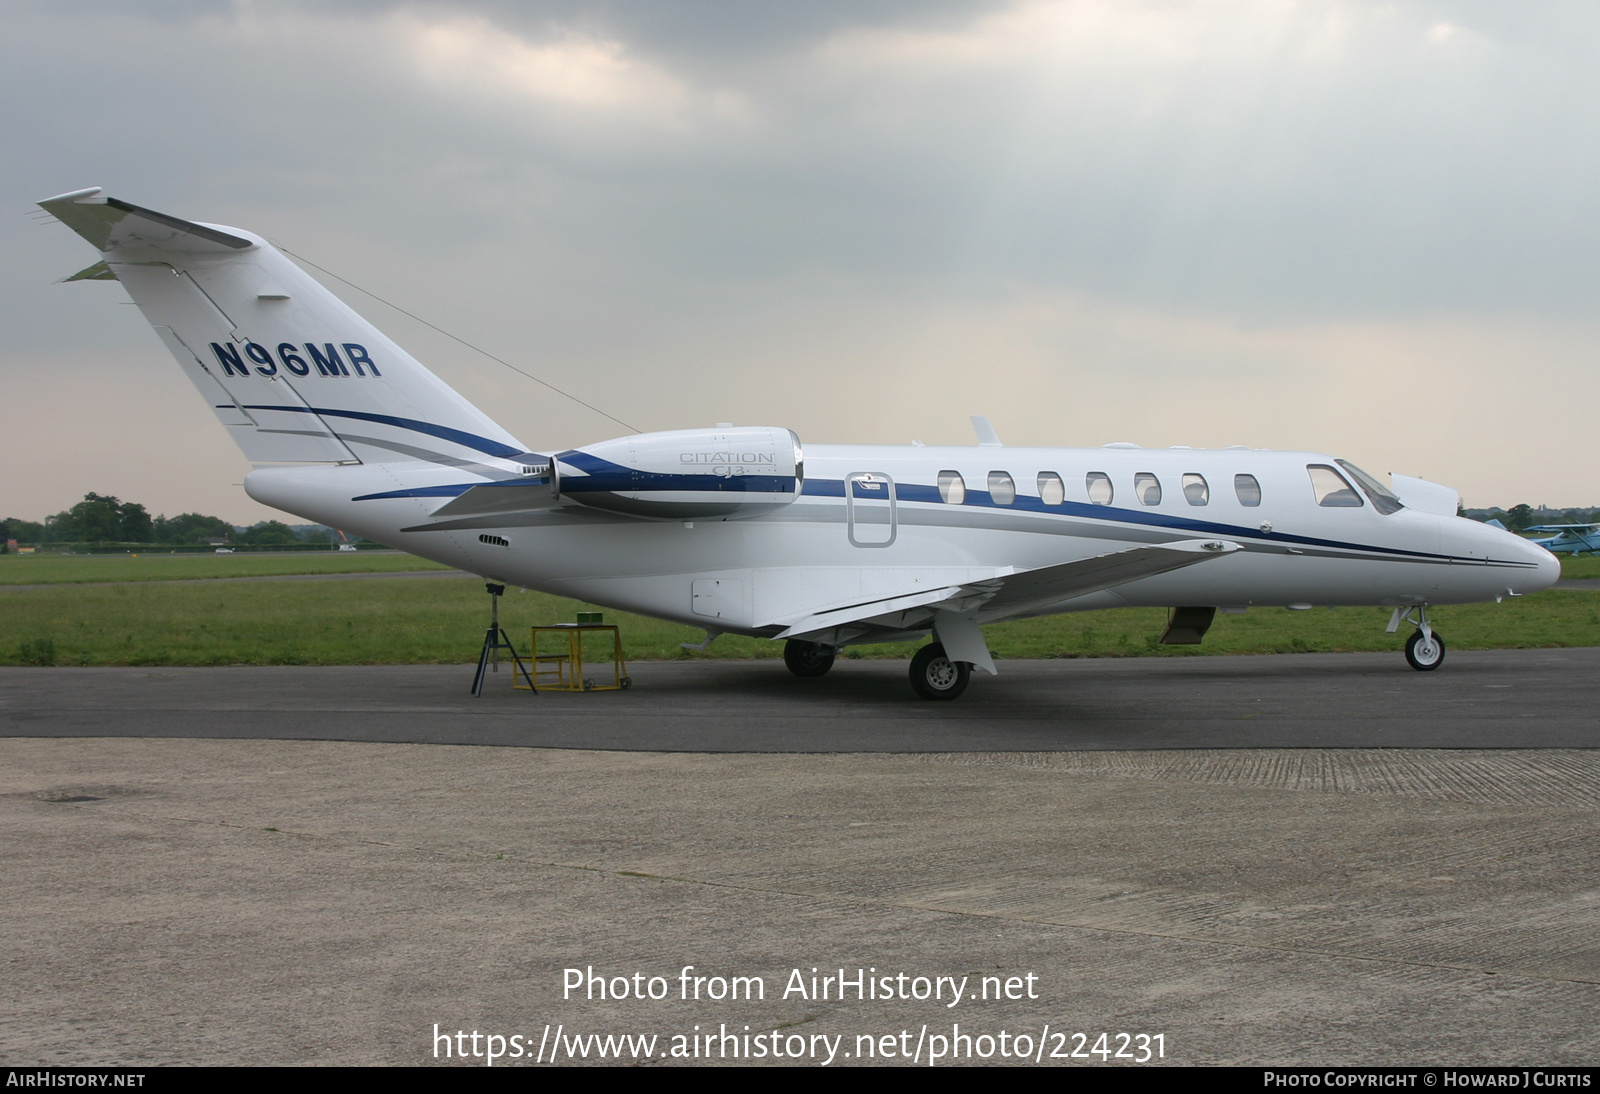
x=1570 y=539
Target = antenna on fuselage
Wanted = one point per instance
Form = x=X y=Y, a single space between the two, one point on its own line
x=987 y=437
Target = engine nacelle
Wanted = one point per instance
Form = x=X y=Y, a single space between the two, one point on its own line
x=685 y=474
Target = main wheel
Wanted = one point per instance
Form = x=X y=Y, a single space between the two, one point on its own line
x=1424 y=654
x=807 y=659
x=935 y=676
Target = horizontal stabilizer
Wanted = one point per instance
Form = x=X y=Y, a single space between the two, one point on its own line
x=510 y=496
x=98 y=272
x=110 y=224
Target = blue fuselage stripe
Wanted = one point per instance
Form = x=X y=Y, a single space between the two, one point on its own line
x=443 y=432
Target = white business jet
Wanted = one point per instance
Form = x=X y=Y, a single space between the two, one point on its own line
x=736 y=530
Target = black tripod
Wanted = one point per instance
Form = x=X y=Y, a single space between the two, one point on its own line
x=495 y=640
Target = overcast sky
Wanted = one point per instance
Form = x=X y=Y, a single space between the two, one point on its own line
x=1362 y=228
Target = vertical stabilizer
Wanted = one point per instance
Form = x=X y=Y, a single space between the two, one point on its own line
x=289 y=369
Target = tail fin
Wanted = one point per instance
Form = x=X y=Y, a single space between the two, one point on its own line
x=293 y=373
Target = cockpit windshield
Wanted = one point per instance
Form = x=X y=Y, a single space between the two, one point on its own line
x=1383 y=499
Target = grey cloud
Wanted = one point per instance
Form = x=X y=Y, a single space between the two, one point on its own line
x=1381 y=182
x=827 y=176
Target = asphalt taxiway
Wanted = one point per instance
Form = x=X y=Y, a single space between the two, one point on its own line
x=1479 y=699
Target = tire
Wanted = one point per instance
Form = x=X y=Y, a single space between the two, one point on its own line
x=935 y=676
x=1424 y=656
x=807 y=659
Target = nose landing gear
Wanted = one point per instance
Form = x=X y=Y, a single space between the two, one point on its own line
x=1424 y=649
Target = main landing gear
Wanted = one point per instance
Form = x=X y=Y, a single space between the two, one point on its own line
x=1424 y=649
x=935 y=676
x=807 y=659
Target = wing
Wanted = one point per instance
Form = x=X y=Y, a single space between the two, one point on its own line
x=1003 y=595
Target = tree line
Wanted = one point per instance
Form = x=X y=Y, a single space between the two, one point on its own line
x=100 y=518
x=1521 y=517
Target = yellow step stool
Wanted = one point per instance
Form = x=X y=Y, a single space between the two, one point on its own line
x=564 y=670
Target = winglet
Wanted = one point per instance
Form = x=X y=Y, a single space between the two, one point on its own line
x=987 y=437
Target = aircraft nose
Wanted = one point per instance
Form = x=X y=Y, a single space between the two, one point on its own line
x=1549 y=571
x=1542 y=570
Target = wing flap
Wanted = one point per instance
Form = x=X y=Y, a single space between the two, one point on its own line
x=856 y=613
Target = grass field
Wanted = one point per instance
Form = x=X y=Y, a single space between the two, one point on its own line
x=1586 y=567
x=440 y=621
x=71 y=569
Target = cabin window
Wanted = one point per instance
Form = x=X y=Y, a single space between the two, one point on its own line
x=1052 y=491
x=1147 y=488
x=951 y=487
x=1001 y=488
x=1383 y=499
x=1331 y=489
x=1248 y=489
x=1098 y=483
x=1195 y=490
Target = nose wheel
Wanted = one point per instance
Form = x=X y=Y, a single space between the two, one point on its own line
x=1424 y=649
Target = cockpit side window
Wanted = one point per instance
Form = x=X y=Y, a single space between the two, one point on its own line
x=1331 y=489
x=1195 y=489
x=1002 y=490
x=1248 y=490
x=1052 y=491
x=1098 y=483
x=1383 y=499
x=1147 y=488
x=951 y=487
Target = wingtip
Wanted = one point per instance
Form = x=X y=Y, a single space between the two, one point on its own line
x=76 y=196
